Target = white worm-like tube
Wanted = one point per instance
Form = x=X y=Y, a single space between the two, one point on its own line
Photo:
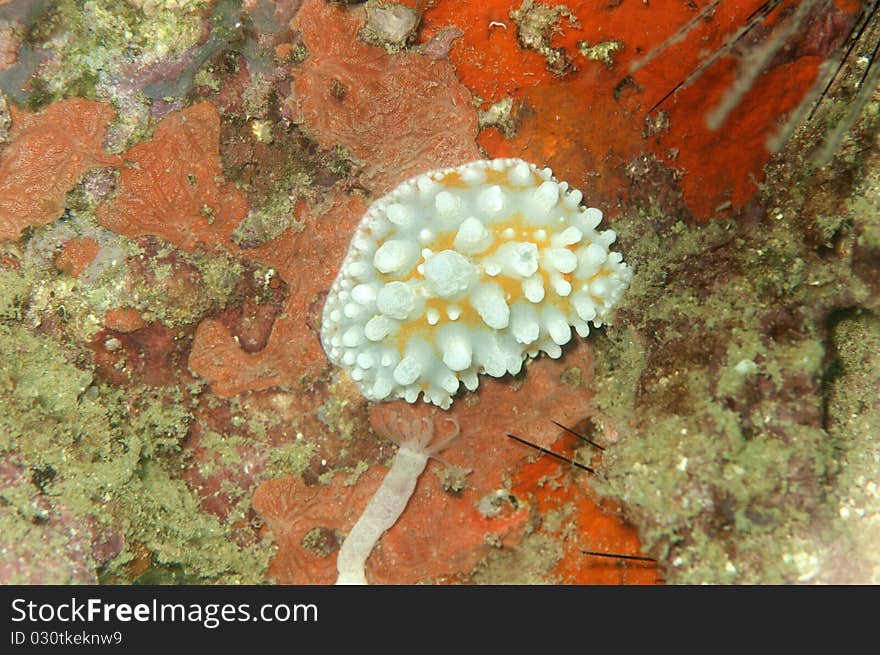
x=386 y=505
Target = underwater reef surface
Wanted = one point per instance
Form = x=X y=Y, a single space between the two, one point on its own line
x=180 y=180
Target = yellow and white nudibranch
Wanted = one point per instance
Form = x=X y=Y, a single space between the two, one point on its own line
x=468 y=270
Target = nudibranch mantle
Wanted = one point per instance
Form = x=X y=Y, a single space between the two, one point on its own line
x=468 y=270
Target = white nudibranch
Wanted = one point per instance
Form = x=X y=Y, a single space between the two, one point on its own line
x=468 y=270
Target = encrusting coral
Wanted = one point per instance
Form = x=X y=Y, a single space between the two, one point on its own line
x=309 y=517
x=416 y=98
x=49 y=153
x=351 y=94
x=173 y=187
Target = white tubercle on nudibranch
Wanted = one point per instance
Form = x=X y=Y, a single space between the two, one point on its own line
x=468 y=270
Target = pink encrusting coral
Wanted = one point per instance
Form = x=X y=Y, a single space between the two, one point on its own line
x=309 y=519
x=400 y=114
x=172 y=185
x=48 y=154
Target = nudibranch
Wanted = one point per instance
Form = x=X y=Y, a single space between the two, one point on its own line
x=468 y=270
x=454 y=273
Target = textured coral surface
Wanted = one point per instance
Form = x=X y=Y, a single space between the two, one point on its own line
x=48 y=154
x=386 y=94
x=398 y=114
x=172 y=186
x=463 y=492
x=600 y=113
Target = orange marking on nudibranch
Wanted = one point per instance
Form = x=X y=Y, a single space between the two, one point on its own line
x=453 y=180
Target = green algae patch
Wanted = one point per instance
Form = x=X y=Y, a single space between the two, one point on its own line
x=166 y=518
x=531 y=562
x=269 y=221
x=37 y=376
x=91 y=38
x=99 y=50
x=602 y=51
x=740 y=378
x=14 y=290
x=536 y=25
x=853 y=424
x=88 y=458
x=164 y=284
